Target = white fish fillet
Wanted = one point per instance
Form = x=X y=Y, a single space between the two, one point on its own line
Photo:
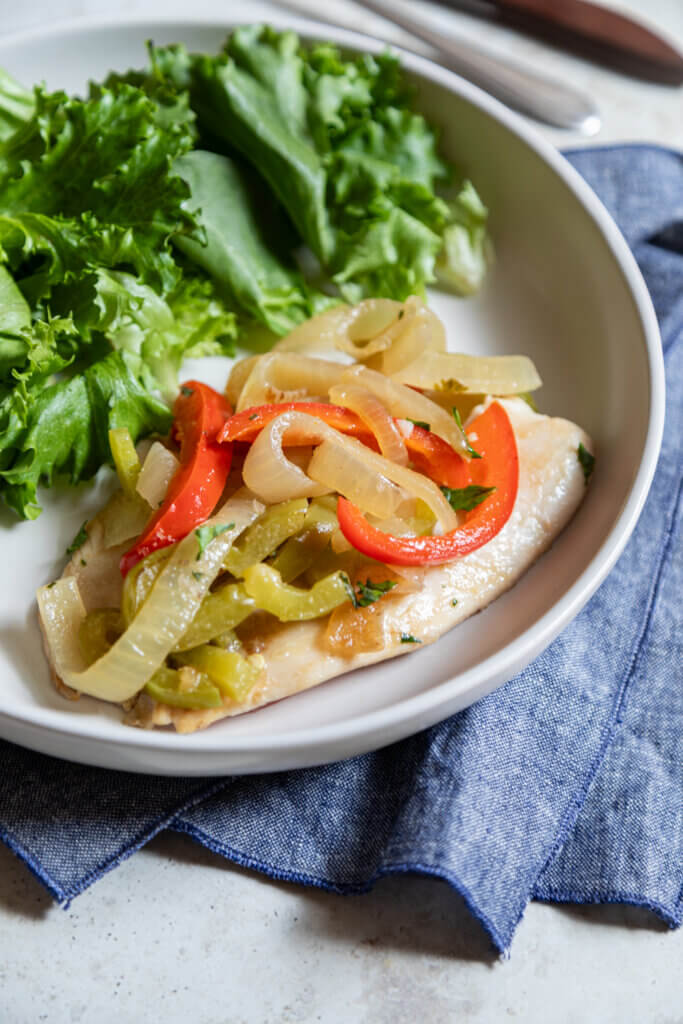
x=551 y=487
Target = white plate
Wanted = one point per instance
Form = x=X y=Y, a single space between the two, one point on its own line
x=565 y=290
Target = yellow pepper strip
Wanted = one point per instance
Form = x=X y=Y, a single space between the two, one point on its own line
x=224 y=609
x=299 y=553
x=125 y=459
x=139 y=581
x=292 y=604
x=268 y=532
x=165 y=687
x=98 y=631
x=233 y=674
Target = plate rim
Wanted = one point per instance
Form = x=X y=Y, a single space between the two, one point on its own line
x=381 y=726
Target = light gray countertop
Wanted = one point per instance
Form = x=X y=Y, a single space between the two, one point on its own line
x=177 y=935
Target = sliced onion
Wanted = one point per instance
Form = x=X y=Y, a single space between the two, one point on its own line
x=320 y=333
x=360 y=331
x=161 y=622
x=339 y=470
x=418 y=331
x=270 y=474
x=264 y=460
x=156 y=474
x=287 y=376
x=405 y=403
x=375 y=416
x=485 y=375
x=372 y=328
x=121 y=519
x=237 y=378
x=386 y=333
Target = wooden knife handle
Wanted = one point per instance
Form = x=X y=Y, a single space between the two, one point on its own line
x=598 y=32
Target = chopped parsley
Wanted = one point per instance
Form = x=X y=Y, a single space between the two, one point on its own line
x=462 y=499
x=468 y=447
x=370 y=592
x=400 y=314
x=186 y=391
x=198 y=576
x=205 y=534
x=349 y=589
x=408 y=638
x=366 y=593
x=254 y=416
x=587 y=462
x=454 y=601
x=79 y=540
x=419 y=423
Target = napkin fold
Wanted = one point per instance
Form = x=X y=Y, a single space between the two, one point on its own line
x=564 y=785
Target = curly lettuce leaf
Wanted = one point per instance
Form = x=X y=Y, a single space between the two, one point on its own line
x=339 y=145
x=16 y=105
x=30 y=349
x=15 y=320
x=66 y=429
x=91 y=181
x=467 y=251
x=162 y=332
x=109 y=155
x=337 y=142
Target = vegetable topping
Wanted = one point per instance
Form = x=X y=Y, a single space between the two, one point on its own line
x=498 y=470
x=200 y=414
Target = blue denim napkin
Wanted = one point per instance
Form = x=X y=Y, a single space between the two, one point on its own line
x=566 y=784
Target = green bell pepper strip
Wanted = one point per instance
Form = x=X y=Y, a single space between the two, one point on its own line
x=224 y=609
x=323 y=512
x=266 y=535
x=228 y=640
x=299 y=553
x=164 y=688
x=233 y=674
x=292 y=604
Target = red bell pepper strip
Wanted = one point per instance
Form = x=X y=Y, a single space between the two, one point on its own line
x=246 y=425
x=492 y=435
x=434 y=457
x=199 y=415
x=430 y=453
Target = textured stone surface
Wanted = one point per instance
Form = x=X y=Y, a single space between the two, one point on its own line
x=175 y=934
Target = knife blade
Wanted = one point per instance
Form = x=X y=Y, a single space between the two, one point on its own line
x=599 y=33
